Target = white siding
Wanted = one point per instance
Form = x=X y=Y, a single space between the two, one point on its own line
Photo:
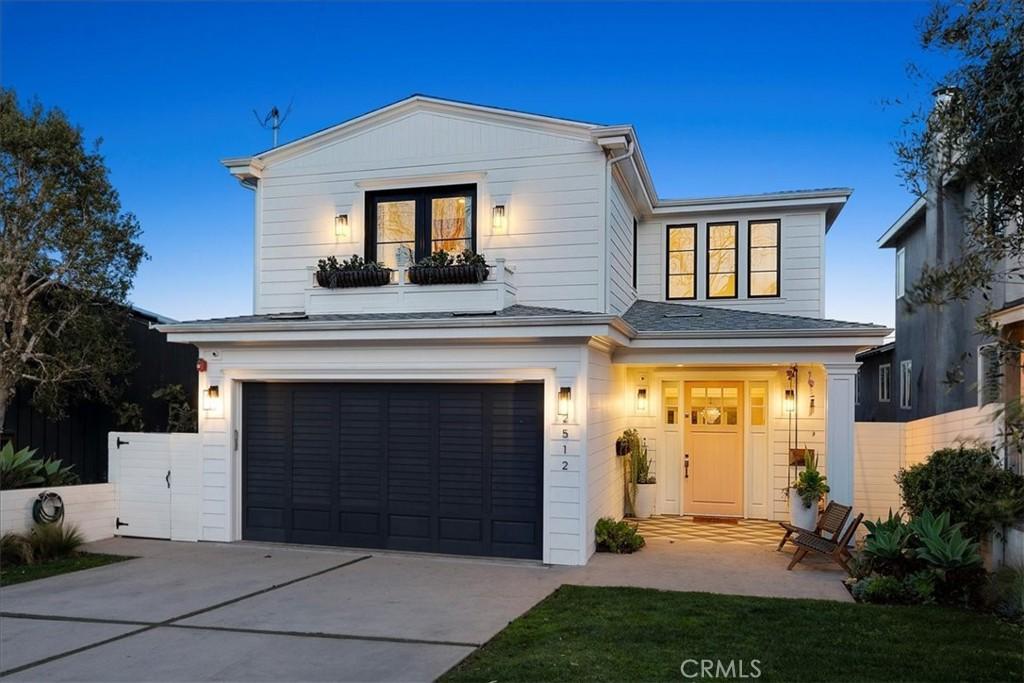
x=90 y=507
x=552 y=182
x=878 y=456
x=929 y=434
x=606 y=420
x=554 y=364
x=802 y=262
x=621 y=293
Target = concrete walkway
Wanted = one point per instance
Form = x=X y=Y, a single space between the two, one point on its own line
x=199 y=611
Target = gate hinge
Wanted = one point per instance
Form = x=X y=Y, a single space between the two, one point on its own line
x=234 y=440
x=118 y=523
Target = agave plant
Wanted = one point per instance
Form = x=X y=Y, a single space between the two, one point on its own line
x=887 y=543
x=949 y=552
x=55 y=475
x=19 y=469
x=928 y=526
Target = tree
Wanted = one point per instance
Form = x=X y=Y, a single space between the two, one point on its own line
x=973 y=139
x=68 y=255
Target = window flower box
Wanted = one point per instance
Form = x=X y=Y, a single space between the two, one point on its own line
x=353 y=272
x=442 y=268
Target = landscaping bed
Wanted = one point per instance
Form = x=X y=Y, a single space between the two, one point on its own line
x=11 y=574
x=636 y=634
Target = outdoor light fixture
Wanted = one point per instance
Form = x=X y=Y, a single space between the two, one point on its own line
x=341 y=230
x=789 y=402
x=499 y=220
x=564 y=401
x=211 y=398
x=641 y=400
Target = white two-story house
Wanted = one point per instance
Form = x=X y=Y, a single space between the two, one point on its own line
x=481 y=418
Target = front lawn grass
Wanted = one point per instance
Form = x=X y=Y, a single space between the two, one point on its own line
x=20 y=573
x=636 y=634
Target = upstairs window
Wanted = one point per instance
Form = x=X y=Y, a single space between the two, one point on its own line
x=906 y=380
x=763 y=261
x=407 y=225
x=901 y=272
x=682 y=262
x=722 y=260
x=884 y=385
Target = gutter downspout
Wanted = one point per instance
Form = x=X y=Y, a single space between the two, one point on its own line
x=608 y=163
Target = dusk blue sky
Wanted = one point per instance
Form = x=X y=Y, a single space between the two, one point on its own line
x=727 y=98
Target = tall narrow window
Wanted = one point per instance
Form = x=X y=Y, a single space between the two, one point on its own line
x=884 y=386
x=634 y=252
x=906 y=381
x=901 y=272
x=722 y=260
x=682 y=262
x=763 y=261
x=990 y=375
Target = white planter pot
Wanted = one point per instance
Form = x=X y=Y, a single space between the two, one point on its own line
x=646 y=494
x=803 y=517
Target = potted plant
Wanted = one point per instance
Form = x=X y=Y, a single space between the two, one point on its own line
x=442 y=268
x=352 y=272
x=805 y=494
x=646 y=489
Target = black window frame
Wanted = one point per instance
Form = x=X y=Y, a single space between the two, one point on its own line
x=736 y=260
x=668 y=261
x=422 y=196
x=778 y=258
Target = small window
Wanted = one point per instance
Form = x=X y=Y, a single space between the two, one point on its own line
x=990 y=375
x=682 y=262
x=722 y=260
x=884 y=383
x=901 y=272
x=906 y=378
x=758 y=398
x=763 y=261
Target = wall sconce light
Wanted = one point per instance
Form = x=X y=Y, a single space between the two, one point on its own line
x=789 y=402
x=641 y=400
x=211 y=398
x=499 y=219
x=341 y=230
x=564 y=403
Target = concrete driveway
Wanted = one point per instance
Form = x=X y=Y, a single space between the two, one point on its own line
x=202 y=611
x=189 y=612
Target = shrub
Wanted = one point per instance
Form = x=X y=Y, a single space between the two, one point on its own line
x=969 y=483
x=15 y=549
x=885 y=590
x=617 y=537
x=810 y=483
x=920 y=586
x=181 y=416
x=887 y=547
x=54 y=541
x=1004 y=593
x=18 y=469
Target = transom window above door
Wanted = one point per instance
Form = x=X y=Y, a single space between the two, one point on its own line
x=404 y=226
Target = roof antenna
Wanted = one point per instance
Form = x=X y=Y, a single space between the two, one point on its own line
x=273 y=120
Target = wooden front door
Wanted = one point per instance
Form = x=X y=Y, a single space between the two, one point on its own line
x=713 y=449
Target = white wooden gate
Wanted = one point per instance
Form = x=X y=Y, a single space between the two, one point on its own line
x=158 y=482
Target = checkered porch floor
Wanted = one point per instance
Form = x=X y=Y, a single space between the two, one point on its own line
x=753 y=532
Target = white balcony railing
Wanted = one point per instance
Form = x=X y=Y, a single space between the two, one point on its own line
x=498 y=291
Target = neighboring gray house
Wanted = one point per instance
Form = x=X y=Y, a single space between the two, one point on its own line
x=935 y=363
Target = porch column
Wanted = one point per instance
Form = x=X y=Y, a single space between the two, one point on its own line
x=840 y=396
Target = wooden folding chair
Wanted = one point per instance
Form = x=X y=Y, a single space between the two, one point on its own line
x=830 y=522
x=836 y=550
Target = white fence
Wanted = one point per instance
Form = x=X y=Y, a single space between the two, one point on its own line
x=878 y=456
x=159 y=480
x=90 y=507
x=927 y=435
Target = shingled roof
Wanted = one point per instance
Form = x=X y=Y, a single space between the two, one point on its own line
x=656 y=316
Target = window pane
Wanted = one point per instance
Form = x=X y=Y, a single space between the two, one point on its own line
x=680 y=287
x=388 y=254
x=722 y=236
x=764 y=234
x=680 y=239
x=451 y=246
x=396 y=221
x=451 y=219
x=722 y=261
x=680 y=262
x=764 y=258
x=764 y=284
x=722 y=285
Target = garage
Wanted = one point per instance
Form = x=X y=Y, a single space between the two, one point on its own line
x=445 y=468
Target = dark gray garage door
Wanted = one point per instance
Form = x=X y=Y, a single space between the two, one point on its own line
x=449 y=468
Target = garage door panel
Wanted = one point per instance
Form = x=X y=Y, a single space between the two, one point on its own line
x=441 y=468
